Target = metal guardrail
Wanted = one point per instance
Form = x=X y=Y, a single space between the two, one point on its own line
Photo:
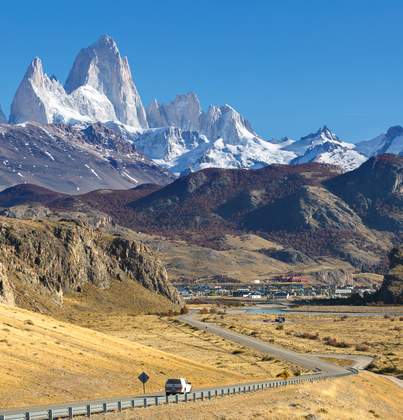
x=83 y=409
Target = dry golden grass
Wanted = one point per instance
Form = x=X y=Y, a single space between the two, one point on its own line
x=375 y=336
x=361 y=397
x=171 y=336
x=349 y=309
x=43 y=360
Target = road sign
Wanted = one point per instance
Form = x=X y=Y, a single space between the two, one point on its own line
x=143 y=378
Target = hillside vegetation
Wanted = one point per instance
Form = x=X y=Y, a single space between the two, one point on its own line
x=44 y=361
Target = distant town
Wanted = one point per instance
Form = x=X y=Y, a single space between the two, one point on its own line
x=291 y=287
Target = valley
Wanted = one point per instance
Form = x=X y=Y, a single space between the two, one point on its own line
x=173 y=239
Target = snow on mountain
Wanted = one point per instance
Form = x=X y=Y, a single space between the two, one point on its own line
x=193 y=139
x=183 y=112
x=325 y=147
x=164 y=145
x=99 y=88
x=3 y=118
x=319 y=137
x=389 y=142
x=333 y=153
x=73 y=159
x=42 y=99
x=101 y=67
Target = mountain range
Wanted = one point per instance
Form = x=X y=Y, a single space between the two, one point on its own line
x=310 y=208
x=178 y=136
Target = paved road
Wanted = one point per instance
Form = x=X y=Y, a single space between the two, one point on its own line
x=311 y=362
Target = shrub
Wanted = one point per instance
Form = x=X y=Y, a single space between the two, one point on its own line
x=331 y=341
x=308 y=336
x=237 y=351
x=280 y=327
x=204 y=311
x=184 y=310
x=361 y=347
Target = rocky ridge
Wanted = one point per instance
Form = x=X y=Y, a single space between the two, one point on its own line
x=48 y=259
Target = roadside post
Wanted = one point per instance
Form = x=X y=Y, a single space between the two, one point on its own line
x=143 y=378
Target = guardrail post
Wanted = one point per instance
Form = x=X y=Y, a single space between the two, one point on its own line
x=50 y=415
x=209 y=395
x=156 y=400
x=104 y=407
x=176 y=399
x=216 y=393
x=27 y=415
x=229 y=391
x=70 y=412
x=132 y=403
x=186 y=397
x=222 y=392
x=202 y=395
x=119 y=405
x=194 y=396
x=244 y=389
x=2 y=417
x=88 y=410
x=145 y=402
x=166 y=399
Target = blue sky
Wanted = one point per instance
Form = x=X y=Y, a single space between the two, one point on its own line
x=288 y=66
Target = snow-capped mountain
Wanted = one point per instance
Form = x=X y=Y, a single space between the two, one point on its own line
x=183 y=112
x=324 y=146
x=3 y=118
x=321 y=136
x=333 y=153
x=389 y=142
x=193 y=139
x=102 y=68
x=99 y=88
x=73 y=159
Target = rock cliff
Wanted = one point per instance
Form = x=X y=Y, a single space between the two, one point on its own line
x=52 y=259
x=391 y=291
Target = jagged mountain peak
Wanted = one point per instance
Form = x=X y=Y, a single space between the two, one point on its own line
x=99 y=87
x=394 y=131
x=106 y=41
x=183 y=112
x=389 y=142
x=101 y=67
x=323 y=133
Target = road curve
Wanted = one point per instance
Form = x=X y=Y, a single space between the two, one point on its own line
x=323 y=370
x=307 y=361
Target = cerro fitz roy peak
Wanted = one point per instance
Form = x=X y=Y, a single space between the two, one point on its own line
x=179 y=136
x=99 y=87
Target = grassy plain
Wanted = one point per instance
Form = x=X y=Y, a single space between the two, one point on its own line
x=44 y=360
x=376 y=336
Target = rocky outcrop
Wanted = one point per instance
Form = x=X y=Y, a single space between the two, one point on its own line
x=338 y=278
x=391 y=291
x=288 y=255
x=54 y=258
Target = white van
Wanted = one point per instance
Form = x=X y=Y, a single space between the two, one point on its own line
x=177 y=386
